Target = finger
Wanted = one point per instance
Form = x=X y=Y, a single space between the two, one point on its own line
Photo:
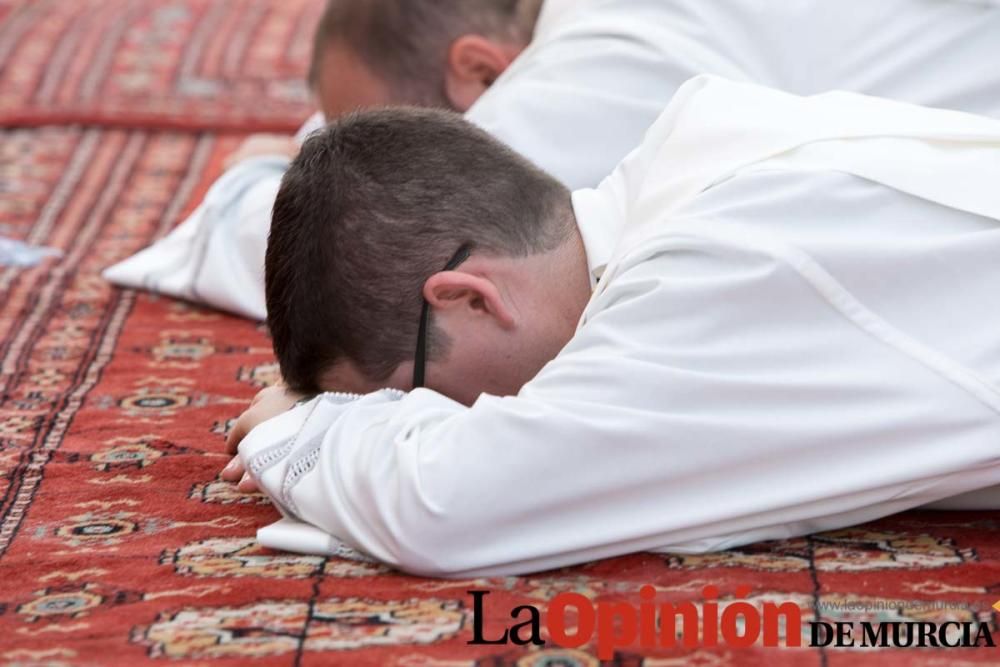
x=247 y=484
x=236 y=434
x=233 y=472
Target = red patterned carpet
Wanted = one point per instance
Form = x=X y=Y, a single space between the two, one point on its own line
x=189 y=64
x=118 y=544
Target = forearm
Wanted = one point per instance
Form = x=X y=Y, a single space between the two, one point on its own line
x=432 y=487
x=606 y=454
x=413 y=487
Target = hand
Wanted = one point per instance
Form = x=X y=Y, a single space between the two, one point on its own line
x=263 y=144
x=235 y=471
x=268 y=403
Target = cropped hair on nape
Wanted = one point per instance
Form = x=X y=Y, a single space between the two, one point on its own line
x=374 y=205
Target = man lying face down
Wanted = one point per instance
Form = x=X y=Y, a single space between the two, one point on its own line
x=379 y=52
x=760 y=325
x=594 y=77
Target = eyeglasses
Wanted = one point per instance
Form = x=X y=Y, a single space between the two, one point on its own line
x=420 y=358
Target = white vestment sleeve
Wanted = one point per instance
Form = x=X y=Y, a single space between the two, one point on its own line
x=748 y=408
x=216 y=255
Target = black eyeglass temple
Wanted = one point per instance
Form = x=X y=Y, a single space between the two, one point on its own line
x=420 y=358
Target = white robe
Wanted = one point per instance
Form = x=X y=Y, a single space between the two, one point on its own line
x=795 y=329
x=596 y=76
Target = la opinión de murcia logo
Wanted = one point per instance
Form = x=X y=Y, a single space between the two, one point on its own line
x=572 y=620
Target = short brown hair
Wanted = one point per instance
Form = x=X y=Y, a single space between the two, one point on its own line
x=374 y=205
x=406 y=41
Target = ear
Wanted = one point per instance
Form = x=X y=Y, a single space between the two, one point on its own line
x=447 y=290
x=474 y=63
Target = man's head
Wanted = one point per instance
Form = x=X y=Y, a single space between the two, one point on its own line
x=367 y=218
x=441 y=53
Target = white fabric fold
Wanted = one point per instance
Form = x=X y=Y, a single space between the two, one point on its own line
x=298 y=537
x=216 y=256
